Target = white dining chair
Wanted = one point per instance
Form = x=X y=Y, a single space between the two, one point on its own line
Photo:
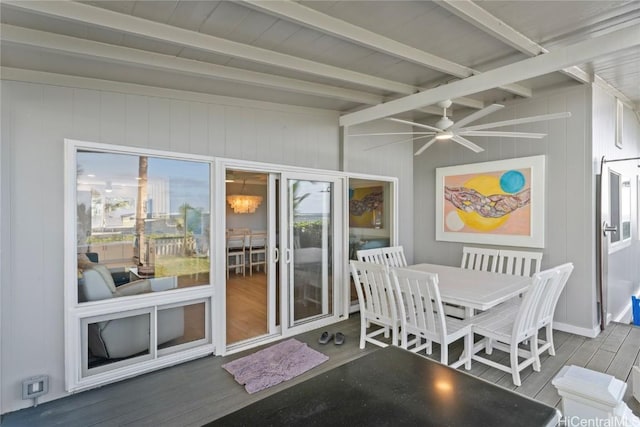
x=393 y=256
x=257 y=251
x=377 y=302
x=235 y=252
x=422 y=317
x=371 y=255
x=508 y=326
x=519 y=263
x=481 y=259
x=548 y=308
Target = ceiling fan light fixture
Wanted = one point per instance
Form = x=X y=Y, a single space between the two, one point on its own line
x=444 y=123
x=443 y=136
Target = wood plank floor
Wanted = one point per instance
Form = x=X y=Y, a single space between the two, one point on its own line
x=194 y=393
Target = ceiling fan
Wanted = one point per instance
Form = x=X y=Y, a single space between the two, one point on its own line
x=445 y=128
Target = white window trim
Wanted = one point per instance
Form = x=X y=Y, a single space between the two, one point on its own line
x=75 y=378
x=622 y=243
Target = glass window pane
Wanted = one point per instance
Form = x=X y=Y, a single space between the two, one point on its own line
x=369 y=217
x=181 y=325
x=625 y=209
x=140 y=217
x=311 y=211
x=113 y=341
x=614 y=205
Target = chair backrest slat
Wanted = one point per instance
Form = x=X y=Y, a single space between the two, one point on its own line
x=373 y=286
x=519 y=263
x=371 y=255
x=479 y=258
x=540 y=299
x=421 y=306
x=550 y=298
x=393 y=256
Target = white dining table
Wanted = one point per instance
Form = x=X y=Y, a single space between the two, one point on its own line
x=479 y=290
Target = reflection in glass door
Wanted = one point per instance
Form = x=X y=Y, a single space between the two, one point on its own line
x=311 y=230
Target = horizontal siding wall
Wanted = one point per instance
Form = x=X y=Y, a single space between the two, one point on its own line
x=35 y=120
x=569 y=213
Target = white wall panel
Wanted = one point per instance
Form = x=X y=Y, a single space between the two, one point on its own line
x=35 y=120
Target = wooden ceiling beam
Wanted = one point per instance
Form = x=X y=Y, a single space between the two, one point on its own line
x=118 y=54
x=133 y=25
x=563 y=57
x=303 y=15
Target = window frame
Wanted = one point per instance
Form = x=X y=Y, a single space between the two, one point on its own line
x=624 y=242
x=77 y=314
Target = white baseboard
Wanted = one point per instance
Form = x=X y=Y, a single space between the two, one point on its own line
x=577 y=330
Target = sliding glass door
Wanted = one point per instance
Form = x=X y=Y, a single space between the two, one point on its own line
x=313 y=236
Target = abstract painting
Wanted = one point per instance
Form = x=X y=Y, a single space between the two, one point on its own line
x=499 y=202
x=365 y=207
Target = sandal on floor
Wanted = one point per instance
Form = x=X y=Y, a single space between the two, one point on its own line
x=325 y=338
x=339 y=338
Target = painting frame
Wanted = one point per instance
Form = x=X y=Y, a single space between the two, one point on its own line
x=534 y=167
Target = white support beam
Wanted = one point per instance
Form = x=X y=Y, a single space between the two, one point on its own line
x=303 y=15
x=480 y=18
x=559 y=59
x=101 y=51
x=128 y=24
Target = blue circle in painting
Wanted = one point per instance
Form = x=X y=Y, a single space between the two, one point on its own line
x=512 y=181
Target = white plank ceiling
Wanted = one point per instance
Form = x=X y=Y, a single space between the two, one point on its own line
x=340 y=55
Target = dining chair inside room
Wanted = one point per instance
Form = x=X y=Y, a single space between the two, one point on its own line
x=519 y=263
x=257 y=251
x=393 y=256
x=377 y=302
x=236 y=246
x=513 y=328
x=422 y=317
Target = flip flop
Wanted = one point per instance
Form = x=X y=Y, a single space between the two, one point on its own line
x=339 y=338
x=325 y=338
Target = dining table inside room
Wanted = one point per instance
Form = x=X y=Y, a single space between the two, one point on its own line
x=473 y=289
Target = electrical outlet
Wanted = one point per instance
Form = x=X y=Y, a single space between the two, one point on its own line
x=35 y=386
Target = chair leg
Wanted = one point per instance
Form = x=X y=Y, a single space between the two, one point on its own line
x=444 y=353
x=534 y=352
x=488 y=348
x=468 y=349
x=552 y=349
x=363 y=331
x=515 y=373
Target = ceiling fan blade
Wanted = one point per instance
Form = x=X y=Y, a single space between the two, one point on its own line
x=397 y=142
x=424 y=147
x=392 y=133
x=503 y=134
x=519 y=121
x=475 y=116
x=419 y=125
x=468 y=144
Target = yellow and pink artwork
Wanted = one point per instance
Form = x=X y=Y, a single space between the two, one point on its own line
x=496 y=202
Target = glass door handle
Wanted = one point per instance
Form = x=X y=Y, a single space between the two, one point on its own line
x=288 y=258
x=606 y=228
x=276 y=255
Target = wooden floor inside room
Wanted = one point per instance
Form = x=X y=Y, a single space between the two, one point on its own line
x=194 y=393
x=246 y=306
